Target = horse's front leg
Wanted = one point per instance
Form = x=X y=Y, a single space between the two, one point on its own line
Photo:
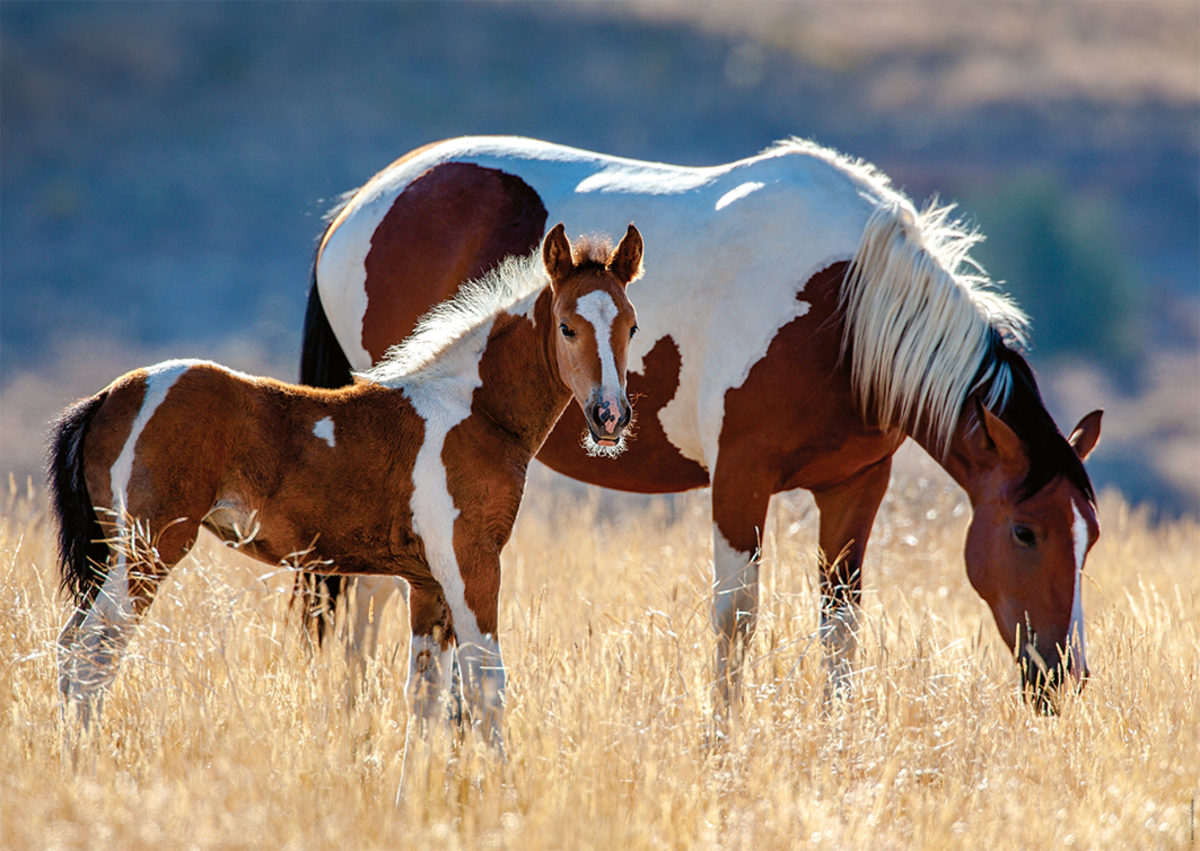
x=739 y=506
x=847 y=514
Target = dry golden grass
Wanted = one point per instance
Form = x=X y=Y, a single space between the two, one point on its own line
x=223 y=731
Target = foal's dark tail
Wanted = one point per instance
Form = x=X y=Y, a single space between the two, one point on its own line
x=81 y=548
x=322 y=364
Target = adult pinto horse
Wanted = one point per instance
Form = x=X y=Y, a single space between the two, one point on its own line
x=804 y=320
x=414 y=471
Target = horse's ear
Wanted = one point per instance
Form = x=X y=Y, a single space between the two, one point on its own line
x=1086 y=435
x=998 y=435
x=556 y=254
x=626 y=261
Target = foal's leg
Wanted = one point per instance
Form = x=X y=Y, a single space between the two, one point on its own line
x=430 y=656
x=739 y=506
x=847 y=514
x=93 y=640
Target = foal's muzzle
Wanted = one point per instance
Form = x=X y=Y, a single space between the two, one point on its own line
x=607 y=419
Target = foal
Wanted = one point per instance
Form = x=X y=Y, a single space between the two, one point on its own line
x=416 y=470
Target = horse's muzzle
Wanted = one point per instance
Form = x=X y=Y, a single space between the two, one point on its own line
x=1045 y=677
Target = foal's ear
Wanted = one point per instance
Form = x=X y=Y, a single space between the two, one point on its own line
x=997 y=435
x=626 y=261
x=1086 y=435
x=556 y=254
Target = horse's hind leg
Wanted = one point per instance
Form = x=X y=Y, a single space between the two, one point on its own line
x=847 y=514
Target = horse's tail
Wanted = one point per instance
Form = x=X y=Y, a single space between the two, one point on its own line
x=322 y=364
x=322 y=361
x=82 y=550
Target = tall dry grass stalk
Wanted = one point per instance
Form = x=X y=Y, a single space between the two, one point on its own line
x=224 y=730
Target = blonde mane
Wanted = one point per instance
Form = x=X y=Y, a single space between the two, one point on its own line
x=921 y=321
x=450 y=335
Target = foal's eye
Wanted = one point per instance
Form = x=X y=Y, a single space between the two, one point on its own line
x=1025 y=536
x=566 y=330
x=632 y=331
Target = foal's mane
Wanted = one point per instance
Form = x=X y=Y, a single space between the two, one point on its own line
x=452 y=332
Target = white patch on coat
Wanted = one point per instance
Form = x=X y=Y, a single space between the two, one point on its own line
x=737 y=193
x=1075 y=642
x=443 y=403
x=324 y=430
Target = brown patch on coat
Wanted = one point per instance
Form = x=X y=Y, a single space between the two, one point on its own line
x=452 y=224
x=651 y=463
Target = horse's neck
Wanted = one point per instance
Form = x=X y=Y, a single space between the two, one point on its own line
x=960 y=455
x=521 y=390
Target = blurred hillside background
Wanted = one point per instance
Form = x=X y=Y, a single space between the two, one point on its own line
x=164 y=168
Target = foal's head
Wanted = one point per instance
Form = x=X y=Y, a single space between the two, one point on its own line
x=594 y=323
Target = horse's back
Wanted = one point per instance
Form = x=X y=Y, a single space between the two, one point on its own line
x=733 y=247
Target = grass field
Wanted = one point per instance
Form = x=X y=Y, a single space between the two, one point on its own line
x=223 y=730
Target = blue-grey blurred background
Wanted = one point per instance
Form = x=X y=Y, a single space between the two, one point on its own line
x=164 y=168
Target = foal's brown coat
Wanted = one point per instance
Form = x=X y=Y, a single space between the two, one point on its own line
x=416 y=471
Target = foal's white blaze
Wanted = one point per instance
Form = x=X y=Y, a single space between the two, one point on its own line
x=323 y=429
x=599 y=309
x=1075 y=631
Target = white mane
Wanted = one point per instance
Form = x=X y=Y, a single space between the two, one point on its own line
x=920 y=316
x=449 y=337
x=921 y=321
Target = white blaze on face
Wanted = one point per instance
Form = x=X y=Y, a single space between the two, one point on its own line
x=324 y=430
x=1079 y=531
x=599 y=309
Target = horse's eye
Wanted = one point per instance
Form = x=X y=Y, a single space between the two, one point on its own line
x=1025 y=536
x=566 y=330
x=632 y=331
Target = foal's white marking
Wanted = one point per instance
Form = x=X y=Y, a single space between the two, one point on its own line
x=444 y=403
x=1075 y=632
x=324 y=430
x=599 y=309
x=105 y=632
x=737 y=193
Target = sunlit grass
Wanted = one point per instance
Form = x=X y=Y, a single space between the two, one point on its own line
x=225 y=730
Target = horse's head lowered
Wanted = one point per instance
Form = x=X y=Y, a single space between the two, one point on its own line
x=595 y=322
x=1033 y=525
